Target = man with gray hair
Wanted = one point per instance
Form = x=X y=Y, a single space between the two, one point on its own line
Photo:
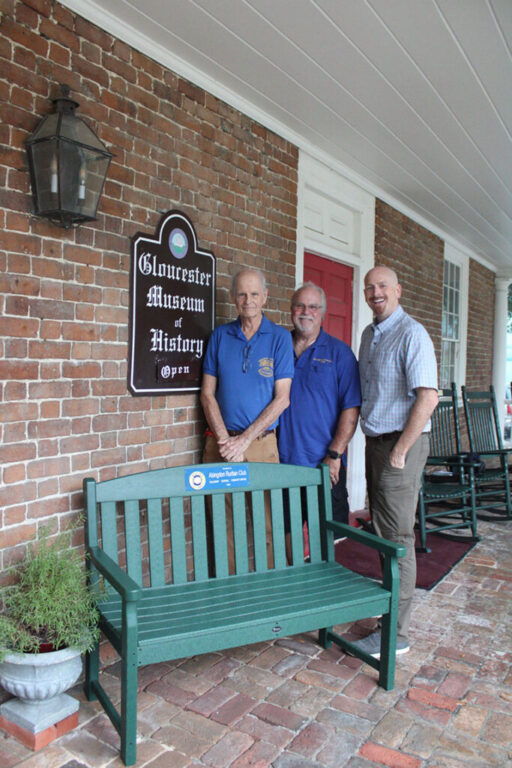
x=247 y=374
x=325 y=396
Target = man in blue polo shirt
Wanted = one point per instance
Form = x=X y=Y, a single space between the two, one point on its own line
x=325 y=396
x=247 y=374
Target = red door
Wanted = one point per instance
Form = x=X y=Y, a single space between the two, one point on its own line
x=336 y=280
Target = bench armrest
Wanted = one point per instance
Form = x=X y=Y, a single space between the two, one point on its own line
x=496 y=452
x=375 y=542
x=122 y=583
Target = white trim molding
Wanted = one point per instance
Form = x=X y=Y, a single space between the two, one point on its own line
x=336 y=220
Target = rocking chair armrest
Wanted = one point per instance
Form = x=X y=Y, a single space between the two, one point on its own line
x=496 y=452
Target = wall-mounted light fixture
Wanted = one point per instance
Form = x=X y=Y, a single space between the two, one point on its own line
x=68 y=165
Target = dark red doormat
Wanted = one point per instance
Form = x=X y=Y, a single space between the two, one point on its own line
x=446 y=551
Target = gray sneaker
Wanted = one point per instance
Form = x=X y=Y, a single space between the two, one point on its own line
x=371 y=645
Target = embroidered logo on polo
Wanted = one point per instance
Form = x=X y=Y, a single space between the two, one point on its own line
x=266 y=366
x=321 y=360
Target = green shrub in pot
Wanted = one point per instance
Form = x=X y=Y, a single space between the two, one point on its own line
x=50 y=601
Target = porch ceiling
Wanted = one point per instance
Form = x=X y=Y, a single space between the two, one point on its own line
x=413 y=96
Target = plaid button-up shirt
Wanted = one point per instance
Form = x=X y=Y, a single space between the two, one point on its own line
x=395 y=357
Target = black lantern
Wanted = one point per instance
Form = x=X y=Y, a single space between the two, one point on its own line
x=68 y=165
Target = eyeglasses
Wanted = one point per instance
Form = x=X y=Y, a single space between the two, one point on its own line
x=246 y=363
x=303 y=307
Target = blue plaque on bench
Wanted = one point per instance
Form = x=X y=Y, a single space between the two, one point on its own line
x=225 y=476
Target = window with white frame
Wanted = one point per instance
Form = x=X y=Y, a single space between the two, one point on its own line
x=454 y=319
x=450 y=333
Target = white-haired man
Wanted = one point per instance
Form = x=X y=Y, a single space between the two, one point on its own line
x=247 y=374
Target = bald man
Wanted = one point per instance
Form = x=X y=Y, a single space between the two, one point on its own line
x=398 y=370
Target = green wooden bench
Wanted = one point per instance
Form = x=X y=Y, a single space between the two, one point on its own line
x=146 y=535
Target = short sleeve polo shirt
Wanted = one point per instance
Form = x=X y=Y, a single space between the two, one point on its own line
x=326 y=382
x=246 y=371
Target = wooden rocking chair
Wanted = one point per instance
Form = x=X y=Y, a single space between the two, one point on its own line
x=492 y=484
x=447 y=495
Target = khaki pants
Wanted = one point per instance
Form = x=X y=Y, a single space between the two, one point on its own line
x=262 y=449
x=393 y=497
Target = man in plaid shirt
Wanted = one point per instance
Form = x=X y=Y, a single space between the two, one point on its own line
x=398 y=370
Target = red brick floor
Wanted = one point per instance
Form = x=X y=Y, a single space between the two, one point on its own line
x=291 y=704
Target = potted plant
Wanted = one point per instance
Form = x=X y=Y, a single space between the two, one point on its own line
x=49 y=619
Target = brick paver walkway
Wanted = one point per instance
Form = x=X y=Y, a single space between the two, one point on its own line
x=291 y=704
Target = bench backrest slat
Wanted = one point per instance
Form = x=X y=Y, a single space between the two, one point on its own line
x=220 y=536
x=276 y=500
x=155 y=542
x=199 y=538
x=296 y=525
x=133 y=543
x=109 y=529
x=178 y=541
x=258 y=524
x=240 y=532
x=315 y=552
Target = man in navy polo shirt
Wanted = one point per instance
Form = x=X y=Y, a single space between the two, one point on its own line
x=325 y=396
x=247 y=374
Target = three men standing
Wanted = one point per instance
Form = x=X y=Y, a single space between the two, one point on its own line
x=248 y=371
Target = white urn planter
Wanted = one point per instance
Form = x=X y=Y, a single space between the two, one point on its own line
x=39 y=680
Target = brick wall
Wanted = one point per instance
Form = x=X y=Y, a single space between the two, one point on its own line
x=480 y=326
x=417 y=256
x=65 y=409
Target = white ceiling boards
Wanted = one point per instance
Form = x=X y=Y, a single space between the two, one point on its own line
x=413 y=97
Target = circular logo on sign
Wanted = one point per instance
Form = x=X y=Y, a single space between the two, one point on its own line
x=178 y=243
x=197 y=480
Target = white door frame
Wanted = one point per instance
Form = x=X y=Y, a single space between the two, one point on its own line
x=336 y=220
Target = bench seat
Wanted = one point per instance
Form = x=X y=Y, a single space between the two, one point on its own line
x=237 y=610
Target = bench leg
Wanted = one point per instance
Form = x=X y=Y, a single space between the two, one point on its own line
x=323 y=637
x=128 y=731
x=387 y=652
x=92 y=664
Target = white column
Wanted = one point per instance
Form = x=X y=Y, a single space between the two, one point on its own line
x=499 y=375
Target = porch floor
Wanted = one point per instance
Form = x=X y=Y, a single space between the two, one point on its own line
x=291 y=704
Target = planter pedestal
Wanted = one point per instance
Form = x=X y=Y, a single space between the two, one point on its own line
x=41 y=712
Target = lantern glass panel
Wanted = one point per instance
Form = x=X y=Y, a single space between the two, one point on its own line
x=45 y=175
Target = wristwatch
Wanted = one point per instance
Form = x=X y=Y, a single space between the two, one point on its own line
x=333 y=454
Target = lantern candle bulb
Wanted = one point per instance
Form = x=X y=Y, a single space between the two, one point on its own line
x=54 y=183
x=81 y=182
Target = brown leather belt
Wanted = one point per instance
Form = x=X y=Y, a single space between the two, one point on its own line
x=235 y=432
x=386 y=436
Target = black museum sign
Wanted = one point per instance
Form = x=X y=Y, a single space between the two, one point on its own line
x=172 y=306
